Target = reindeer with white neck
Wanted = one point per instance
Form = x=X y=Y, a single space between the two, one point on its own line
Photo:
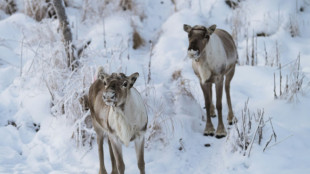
x=118 y=111
x=214 y=56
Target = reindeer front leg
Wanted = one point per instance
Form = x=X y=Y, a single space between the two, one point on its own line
x=114 y=169
x=207 y=91
x=139 y=146
x=220 y=132
x=118 y=155
x=101 y=156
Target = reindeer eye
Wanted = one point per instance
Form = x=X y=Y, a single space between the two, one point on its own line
x=125 y=84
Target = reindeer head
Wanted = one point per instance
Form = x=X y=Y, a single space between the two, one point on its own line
x=198 y=37
x=116 y=87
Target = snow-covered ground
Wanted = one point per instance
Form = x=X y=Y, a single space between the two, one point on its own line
x=35 y=137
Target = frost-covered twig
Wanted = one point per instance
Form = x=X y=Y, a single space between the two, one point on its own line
x=274 y=87
x=149 y=66
x=259 y=124
x=266 y=55
x=268 y=142
x=279 y=141
x=21 y=57
x=274 y=133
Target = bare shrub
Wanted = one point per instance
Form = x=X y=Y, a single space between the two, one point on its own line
x=273 y=55
x=247 y=131
x=39 y=9
x=161 y=123
x=182 y=84
x=137 y=40
x=8 y=6
x=99 y=9
x=238 y=23
x=126 y=4
x=294 y=25
x=68 y=89
x=91 y=9
x=294 y=84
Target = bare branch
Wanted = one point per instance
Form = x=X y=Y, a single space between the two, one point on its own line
x=66 y=33
x=268 y=142
x=81 y=50
x=259 y=124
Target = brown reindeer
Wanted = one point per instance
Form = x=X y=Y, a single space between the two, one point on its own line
x=214 y=56
x=118 y=111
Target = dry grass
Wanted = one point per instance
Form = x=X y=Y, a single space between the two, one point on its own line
x=161 y=124
x=37 y=9
x=137 y=40
x=247 y=130
x=294 y=81
x=294 y=25
x=182 y=83
x=8 y=6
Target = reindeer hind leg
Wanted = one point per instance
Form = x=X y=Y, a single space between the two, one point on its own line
x=139 y=146
x=228 y=79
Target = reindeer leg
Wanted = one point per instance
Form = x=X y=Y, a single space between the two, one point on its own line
x=114 y=169
x=229 y=76
x=118 y=155
x=220 y=132
x=212 y=109
x=206 y=89
x=101 y=156
x=139 y=146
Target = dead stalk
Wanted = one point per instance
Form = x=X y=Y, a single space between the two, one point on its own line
x=251 y=144
x=104 y=36
x=280 y=81
x=256 y=61
x=21 y=58
x=150 y=64
x=274 y=88
x=266 y=55
x=268 y=143
x=247 y=49
x=279 y=141
x=253 y=54
x=277 y=54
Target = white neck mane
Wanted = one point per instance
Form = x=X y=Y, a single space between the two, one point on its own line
x=128 y=122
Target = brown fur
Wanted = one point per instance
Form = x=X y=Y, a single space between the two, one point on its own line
x=100 y=118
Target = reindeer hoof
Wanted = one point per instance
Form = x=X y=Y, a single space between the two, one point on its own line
x=209 y=130
x=232 y=121
x=213 y=116
x=220 y=136
x=208 y=134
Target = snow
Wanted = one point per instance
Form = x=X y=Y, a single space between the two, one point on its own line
x=37 y=139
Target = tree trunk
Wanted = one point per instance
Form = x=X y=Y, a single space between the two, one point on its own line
x=66 y=32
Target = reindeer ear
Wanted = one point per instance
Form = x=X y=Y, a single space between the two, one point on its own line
x=101 y=74
x=187 y=28
x=211 y=29
x=132 y=79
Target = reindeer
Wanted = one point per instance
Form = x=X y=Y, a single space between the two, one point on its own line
x=214 y=55
x=118 y=112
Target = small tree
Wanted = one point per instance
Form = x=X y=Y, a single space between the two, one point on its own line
x=72 y=53
x=66 y=33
